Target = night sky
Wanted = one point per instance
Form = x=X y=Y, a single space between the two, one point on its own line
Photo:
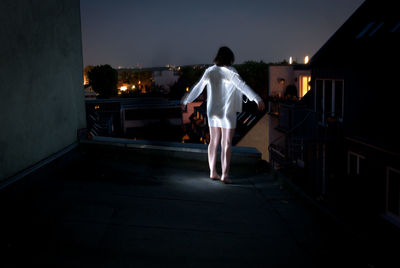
x=154 y=33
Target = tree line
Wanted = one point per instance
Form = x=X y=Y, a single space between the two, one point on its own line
x=105 y=80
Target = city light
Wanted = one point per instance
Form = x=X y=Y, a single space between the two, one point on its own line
x=290 y=60
x=123 y=88
x=306 y=60
x=187 y=89
x=133 y=87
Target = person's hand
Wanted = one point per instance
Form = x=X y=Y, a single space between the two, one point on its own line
x=261 y=105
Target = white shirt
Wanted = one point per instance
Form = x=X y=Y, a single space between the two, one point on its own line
x=224 y=91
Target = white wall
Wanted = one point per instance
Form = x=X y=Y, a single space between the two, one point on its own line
x=286 y=72
x=277 y=72
x=165 y=78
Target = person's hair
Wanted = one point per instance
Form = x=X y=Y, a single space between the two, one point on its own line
x=225 y=57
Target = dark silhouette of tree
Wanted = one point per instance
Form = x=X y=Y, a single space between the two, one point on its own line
x=188 y=77
x=103 y=79
x=125 y=76
x=178 y=89
x=255 y=74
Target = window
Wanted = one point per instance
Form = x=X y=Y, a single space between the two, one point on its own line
x=304 y=85
x=393 y=192
x=355 y=164
x=329 y=99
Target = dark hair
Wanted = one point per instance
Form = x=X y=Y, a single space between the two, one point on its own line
x=224 y=57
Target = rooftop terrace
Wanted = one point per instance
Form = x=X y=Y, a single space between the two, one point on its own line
x=108 y=205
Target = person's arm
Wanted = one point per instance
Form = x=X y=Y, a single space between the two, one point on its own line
x=237 y=81
x=196 y=90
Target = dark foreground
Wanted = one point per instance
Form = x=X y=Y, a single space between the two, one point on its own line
x=92 y=210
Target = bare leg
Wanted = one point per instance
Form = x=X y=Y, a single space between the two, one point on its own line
x=226 y=151
x=215 y=137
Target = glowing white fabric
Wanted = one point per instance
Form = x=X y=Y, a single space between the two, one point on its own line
x=225 y=89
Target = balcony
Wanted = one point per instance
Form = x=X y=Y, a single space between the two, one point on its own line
x=113 y=202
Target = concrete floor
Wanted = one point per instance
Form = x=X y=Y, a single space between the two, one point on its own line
x=91 y=210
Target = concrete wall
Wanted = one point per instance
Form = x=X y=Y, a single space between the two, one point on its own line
x=277 y=72
x=262 y=135
x=41 y=94
x=258 y=137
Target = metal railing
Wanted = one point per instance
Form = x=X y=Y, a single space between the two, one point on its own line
x=100 y=124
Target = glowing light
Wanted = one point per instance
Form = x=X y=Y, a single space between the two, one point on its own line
x=187 y=89
x=133 y=87
x=306 y=59
x=304 y=84
x=96 y=107
x=290 y=60
x=139 y=82
x=123 y=88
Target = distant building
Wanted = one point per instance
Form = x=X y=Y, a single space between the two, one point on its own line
x=283 y=78
x=342 y=138
x=165 y=78
x=257 y=129
x=89 y=92
x=283 y=75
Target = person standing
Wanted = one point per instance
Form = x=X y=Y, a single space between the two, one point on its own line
x=225 y=90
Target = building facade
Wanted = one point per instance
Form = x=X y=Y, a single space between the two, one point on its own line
x=342 y=138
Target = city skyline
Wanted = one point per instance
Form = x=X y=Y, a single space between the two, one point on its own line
x=140 y=34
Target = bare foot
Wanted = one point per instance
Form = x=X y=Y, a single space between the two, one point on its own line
x=226 y=180
x=215 y=177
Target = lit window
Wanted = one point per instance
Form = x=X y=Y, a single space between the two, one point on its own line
x=369 y=25
x=304 y=81
x=376 y=29
x=393 y=192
